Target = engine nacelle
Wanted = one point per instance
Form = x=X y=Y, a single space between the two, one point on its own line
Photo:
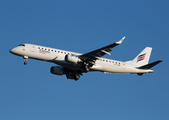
x=72 y=59
x=57 y=70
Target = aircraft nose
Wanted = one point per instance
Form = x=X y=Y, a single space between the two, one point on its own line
x=12 y=50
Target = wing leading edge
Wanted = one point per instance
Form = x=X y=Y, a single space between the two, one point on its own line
x=101 y=52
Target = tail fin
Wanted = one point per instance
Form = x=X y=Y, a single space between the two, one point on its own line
x=142 y=58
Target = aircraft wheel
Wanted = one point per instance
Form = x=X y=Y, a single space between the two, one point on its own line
x=25 y=63
x=86 y=69
x=77 y=76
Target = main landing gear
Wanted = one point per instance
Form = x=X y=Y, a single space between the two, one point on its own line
x=86 y=67
x=76 y=77
x=26 y=59
x=73 y=75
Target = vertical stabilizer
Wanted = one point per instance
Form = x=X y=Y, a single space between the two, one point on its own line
x=142 y=58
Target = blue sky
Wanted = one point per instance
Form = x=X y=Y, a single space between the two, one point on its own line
x=31 y=92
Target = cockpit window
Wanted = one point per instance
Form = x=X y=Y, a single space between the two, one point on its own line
x=22 y=45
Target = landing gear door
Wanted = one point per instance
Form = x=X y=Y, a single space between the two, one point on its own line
x=33 y=48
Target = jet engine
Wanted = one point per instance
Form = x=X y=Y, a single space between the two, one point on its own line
x=57 y=70
x=72 y=59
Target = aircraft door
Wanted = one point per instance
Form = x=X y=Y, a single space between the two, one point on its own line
x=33 y=48
x=124 y=66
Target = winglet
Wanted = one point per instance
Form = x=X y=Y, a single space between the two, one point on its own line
x=119 y=42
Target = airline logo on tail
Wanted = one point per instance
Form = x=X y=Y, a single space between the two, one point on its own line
x=141 y=57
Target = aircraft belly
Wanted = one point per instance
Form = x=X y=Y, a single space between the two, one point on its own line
x=112 y=68
x=119 y=69
x=96 y=68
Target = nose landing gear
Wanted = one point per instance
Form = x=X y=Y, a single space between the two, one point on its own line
x=25 y=62
x=26 y=59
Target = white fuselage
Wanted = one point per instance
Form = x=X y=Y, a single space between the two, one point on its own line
x=57 y=56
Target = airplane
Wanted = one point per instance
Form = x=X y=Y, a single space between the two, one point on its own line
x=74 y=64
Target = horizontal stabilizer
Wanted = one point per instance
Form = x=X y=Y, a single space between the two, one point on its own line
x=148 y=66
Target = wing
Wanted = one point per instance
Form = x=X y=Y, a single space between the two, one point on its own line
x=100 y=52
